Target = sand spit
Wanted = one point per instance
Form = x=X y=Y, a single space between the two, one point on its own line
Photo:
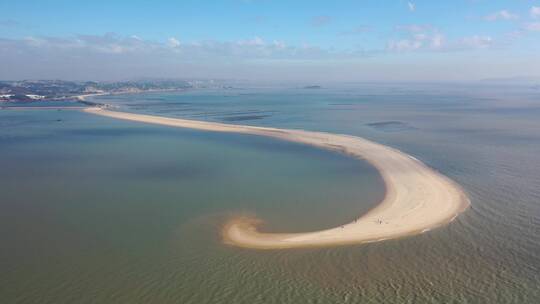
x=417 y=197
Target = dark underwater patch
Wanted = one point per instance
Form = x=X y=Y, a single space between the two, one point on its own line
x=245 y=117
x=391 y=126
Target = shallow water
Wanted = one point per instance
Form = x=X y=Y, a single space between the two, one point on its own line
x=95 y=210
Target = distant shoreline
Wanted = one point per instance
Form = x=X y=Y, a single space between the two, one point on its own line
x=417 y=197
x=84 y=96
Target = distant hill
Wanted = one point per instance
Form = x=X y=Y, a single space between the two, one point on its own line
x=28 y=90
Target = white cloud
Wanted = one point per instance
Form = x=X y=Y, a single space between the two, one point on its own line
x=405 y=45
x=173 y=42
x=437 y=41
x=112 y=56
x=108 y=43
x=418 y=37
x=279 y=44
x=501 y=15
x=412 y=6
x=417 y=42
x=535 y=11
x=97 y=46
x=533 y=26
x=429 y=38
x=256 y=41
x=475 y=42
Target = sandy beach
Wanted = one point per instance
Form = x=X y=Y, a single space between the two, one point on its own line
x=417 y=198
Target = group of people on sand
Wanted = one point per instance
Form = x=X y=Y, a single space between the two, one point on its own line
x=379 y=221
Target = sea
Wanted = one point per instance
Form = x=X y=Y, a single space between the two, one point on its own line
x=98 y=210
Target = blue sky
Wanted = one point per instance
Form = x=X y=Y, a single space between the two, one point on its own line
x=268 y=39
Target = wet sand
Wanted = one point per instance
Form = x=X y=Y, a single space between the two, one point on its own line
x=417 y=197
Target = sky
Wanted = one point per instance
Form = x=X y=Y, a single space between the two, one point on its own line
x=385 y=40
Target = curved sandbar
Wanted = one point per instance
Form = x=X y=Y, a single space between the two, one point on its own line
x=417 y=197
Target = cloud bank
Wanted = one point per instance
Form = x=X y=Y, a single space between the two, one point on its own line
x=116 y=57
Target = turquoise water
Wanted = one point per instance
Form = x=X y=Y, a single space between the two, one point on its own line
x=95 y=210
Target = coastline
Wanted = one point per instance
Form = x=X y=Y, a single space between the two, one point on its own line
x=84 y=96
x=83 y=99
x=417 y=197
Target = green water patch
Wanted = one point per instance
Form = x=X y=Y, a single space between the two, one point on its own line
x=116 y=211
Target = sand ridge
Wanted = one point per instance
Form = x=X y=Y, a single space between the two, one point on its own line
x=417 y=197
